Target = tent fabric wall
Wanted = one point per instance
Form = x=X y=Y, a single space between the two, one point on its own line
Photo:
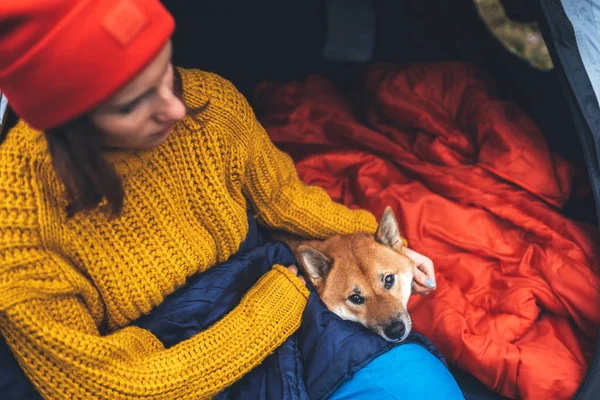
x=560 y=38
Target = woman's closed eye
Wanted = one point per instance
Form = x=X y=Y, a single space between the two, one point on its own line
x=132 y=106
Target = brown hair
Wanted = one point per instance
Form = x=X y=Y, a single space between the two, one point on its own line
x=77 y=158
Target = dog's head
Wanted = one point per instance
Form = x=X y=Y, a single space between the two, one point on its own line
x=364 y=278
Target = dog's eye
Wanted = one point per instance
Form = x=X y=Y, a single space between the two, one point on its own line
x=389 y=281
x=356 y=299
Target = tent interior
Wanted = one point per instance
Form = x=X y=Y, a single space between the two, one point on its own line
x=285 y=42
x=252 y=42
x=280 y=42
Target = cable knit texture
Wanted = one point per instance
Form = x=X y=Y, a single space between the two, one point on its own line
x=70 y=287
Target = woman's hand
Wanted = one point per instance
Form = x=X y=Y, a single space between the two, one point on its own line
x=424 y=280
x=294 y=270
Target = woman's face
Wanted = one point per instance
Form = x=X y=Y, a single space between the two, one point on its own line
x=142 y=114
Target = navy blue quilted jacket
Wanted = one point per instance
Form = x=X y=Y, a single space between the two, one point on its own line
x=311 y=364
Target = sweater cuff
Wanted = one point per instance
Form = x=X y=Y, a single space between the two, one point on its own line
x=293 y=279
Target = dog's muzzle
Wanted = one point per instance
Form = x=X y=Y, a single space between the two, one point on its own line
x=399 y=329
x=396 y=330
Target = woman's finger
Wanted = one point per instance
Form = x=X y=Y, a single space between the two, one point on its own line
x=294 y=270
x=424 y=265
x=422 y=283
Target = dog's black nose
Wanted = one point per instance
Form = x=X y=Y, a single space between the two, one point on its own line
x=395 y=330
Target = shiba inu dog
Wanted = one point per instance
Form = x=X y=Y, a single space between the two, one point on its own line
x=362 y=277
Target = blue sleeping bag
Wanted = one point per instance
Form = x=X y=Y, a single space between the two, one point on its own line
x=324 y=353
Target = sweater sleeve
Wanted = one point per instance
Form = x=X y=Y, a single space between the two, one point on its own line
x=284 y=202
x=50 y=313
x=270 y=181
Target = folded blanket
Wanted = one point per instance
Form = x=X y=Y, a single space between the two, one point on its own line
x=475 y=188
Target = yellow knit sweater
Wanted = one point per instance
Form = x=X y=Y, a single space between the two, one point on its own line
x=62 y=279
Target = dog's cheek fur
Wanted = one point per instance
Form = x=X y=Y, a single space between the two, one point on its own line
x=344 y=313
x=405 y=287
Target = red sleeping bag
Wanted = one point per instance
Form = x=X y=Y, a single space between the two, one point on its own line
x=474 y=187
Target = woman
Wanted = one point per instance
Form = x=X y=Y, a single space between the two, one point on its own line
x=111 y=198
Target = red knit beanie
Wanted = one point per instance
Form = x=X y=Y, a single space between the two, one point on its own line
x=61 y=58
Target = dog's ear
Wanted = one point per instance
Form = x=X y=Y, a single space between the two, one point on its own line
x=315 y=263
x=387 y=231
